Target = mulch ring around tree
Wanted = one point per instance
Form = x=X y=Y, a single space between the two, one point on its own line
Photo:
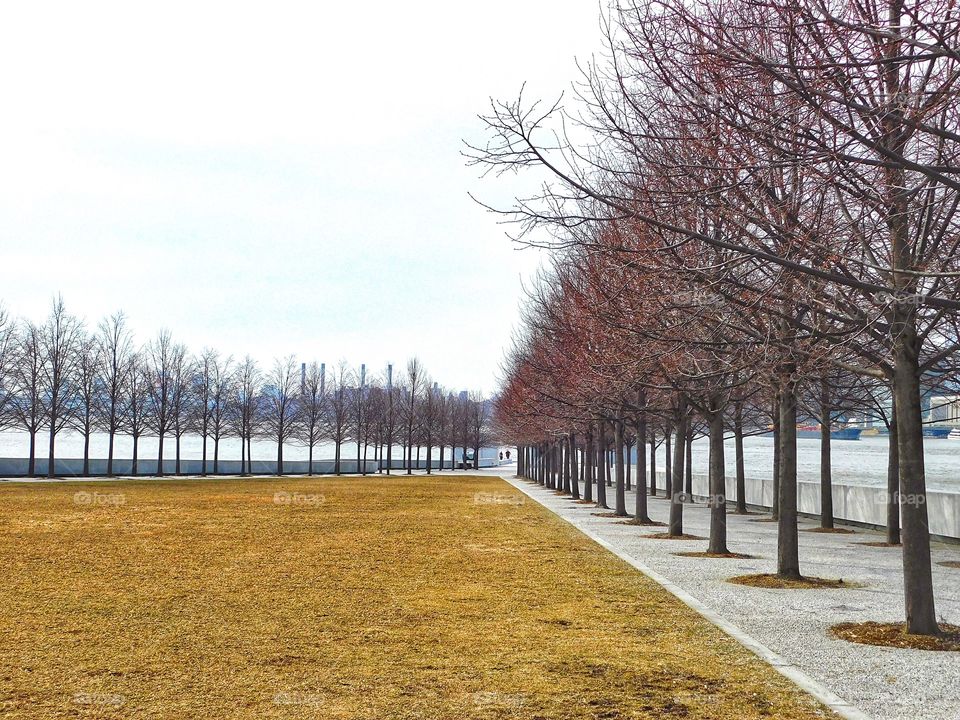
x=608 y=515
x=650 y=523
x=893 y=635
x=880 y=544
x=728 y=555
x=583 y=502
x=668 y=536
x=770 y=580
x=950 y=564
x=764 y=519
x=837 y=531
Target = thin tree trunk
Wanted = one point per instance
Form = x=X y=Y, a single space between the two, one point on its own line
x=676 y=488
x=741 y=473
x=788 y=551
x=718 y=484
x=775 y=501
x=588 y=459
x=110 y=437
x=53 y=440
x=688 y=470
x=32 y=462
x=86 y=450
x=826 y=484
x=136 y=442
x=621 y=498
x=667 y=466
x=641 y=511
x=893 y=483
x=653 y=464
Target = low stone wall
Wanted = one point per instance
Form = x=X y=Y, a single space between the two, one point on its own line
x=73 y=467
x=854 y=503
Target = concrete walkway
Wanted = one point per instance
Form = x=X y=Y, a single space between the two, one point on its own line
x=879 y=682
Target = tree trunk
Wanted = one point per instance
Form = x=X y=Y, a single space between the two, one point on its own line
x=203 y=462
x=86 y=451
x=32 y=462
x=653 y=464
x=160 y=456
x=788 y=552
x=136 y=441
x=718 y=483
x=741 y=474
x=216 y=455
x=52 y=453
x=893 y=482
x=178 y=454
x=917 y=571
x=572 y=457
x=628 y=460
x=775 y=501
x=688 y=470
x=588 y=458
x=676 y=488
x=826 y=483
x=641 y=511
x=280 y=458
x=667 y=465
x=621 y=498
x=110 y=437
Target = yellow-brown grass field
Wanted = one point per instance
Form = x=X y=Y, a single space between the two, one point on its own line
x=443 y=597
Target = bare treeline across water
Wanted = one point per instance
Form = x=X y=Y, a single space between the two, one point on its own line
x=71 y=390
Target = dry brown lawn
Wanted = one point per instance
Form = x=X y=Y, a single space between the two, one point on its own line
x=357 y=598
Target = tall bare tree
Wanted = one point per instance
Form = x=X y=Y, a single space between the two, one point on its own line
x=280 y=395
x=60 y=337
x=115 y=349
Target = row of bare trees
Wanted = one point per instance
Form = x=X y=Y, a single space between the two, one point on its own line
x=59 y=375
x=758 y=205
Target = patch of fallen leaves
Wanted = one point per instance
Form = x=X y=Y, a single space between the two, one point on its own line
x=895 y=635
x=769 y=580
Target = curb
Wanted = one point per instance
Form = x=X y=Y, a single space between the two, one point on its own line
x=778 y=662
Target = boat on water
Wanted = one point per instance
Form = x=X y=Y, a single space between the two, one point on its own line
x=954 y=434
x=938 y=432
x=837 y=433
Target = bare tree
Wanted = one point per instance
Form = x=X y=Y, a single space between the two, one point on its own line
x=415 y=375
x=59 y=339
x=245 y=409
x=280 y=404
x=138 y=405
x=181 y=399
x=312 y=403
x=26 y=406
x=162 y=356
x=8 y=352
x=115 y=348
x=88 y=387
x=221 y=395
x=338 y=410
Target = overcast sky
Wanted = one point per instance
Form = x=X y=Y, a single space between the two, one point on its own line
x=276 y=177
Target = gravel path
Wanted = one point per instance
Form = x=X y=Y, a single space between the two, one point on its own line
x=884 y=683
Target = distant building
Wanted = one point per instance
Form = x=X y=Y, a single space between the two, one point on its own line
x=945 y=409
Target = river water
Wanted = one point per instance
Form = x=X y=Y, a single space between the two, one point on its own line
x=854 y=462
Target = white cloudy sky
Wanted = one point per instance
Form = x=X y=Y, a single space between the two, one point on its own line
x=272 y=177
